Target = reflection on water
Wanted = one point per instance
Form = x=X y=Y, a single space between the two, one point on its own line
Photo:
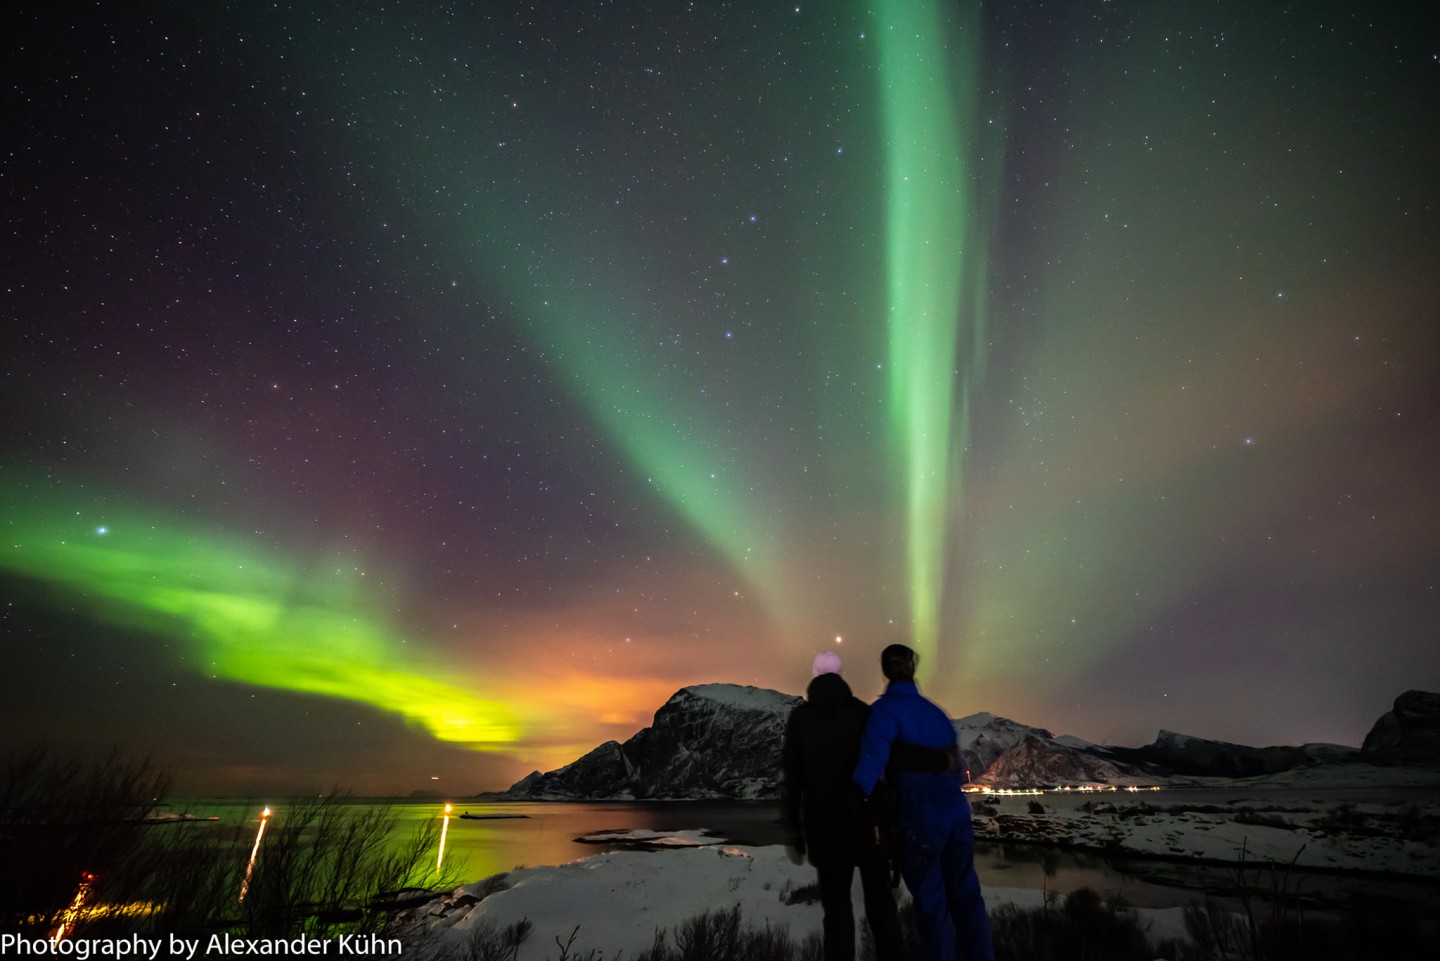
x=546 y=834
x=1061 y=871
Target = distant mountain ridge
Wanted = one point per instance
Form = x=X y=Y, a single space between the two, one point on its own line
x=1180 y=755
x=722 y=741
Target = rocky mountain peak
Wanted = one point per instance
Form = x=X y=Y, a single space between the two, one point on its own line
x=706 y=741
x=1040 y=761
x=735 y=696
x=1409 y=731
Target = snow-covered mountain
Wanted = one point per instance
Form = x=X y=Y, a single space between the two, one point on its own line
x=707 y=741
x=999 y=752
x=984 y=737
x=723 y=741
x=1035 y=762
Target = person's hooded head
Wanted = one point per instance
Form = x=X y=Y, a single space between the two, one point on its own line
x=826 y=662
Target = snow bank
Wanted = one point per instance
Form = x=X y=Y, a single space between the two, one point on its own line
x=1330 y=836
x=617 y=901
x=614 y=903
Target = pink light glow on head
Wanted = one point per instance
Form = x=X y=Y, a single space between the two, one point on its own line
x=826 y=662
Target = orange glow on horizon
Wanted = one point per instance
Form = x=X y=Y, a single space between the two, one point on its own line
x=578 y=678
x=561 y=712
x=567 y=714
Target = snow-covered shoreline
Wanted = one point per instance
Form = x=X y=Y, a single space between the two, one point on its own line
x=1372 y=839
x=616 y=901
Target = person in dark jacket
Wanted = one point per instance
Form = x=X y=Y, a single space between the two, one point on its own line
x=822 y=746
x=934 y=836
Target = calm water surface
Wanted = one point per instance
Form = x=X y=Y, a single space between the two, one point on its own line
x=547 y=831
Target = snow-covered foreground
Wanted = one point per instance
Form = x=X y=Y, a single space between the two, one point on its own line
x=1372 y=838
x=615 y=902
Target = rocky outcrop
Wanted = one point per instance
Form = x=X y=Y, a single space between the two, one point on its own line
x=1408 y=733
x=984 y=737
x=1035 y=762
x=708 y=741
x=604 y=766
x=713 y=740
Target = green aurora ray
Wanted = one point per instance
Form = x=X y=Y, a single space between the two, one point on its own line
x=935 y=268
x=588 y=324
x=651 y=415
x=710 y=471
x=246 y=617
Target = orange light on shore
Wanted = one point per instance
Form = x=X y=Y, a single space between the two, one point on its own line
x=254 y=852
x=444 y=830
x=69 y=916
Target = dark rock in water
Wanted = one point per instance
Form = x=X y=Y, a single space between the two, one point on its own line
x=1408 y=733
x=709 y=741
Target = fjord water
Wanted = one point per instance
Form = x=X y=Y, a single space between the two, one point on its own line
x=545 y=833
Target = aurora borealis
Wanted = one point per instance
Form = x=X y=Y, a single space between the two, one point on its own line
x=397 y=393
x=934 y=242
x=241 y=618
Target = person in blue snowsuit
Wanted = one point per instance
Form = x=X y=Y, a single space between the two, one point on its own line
x=933 y=833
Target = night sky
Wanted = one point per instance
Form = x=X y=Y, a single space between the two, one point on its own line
x=416 y=390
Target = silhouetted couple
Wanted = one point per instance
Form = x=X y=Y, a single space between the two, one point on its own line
x=914 y=820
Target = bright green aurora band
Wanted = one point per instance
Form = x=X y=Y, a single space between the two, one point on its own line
x=635 y=311
x=249 y=618
x=935 y=268
x=246 y=618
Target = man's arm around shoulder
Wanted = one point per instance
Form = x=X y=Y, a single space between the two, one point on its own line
x=881 y=730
